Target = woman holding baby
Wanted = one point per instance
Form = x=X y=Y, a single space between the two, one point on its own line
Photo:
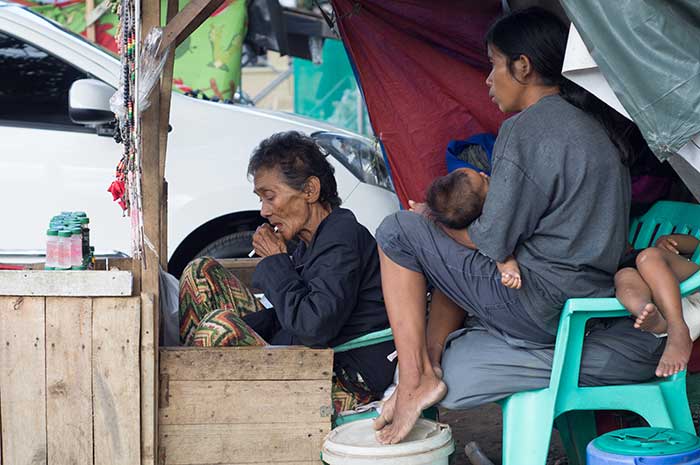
x=557 y=202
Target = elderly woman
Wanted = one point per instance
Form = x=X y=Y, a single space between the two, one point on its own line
x=327 y=292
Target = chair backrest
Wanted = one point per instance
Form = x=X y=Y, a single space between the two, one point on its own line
x=666 y=217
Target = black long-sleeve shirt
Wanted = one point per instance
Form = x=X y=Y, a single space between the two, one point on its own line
x=328 y=293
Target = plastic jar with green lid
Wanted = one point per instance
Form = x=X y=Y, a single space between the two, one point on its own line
x=64 y=250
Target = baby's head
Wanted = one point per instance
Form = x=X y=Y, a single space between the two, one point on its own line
x=456 y=200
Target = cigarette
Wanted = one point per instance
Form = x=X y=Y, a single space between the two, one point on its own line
x=252 y=252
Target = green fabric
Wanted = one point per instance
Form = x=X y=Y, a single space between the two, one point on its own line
x=648 y=51
x=209 y=60
x=72 y=17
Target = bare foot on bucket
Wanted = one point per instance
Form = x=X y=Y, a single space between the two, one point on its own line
x=410 y=400
x=650 y=320
x=389 y=405
x=387 y=414
x=677 y=352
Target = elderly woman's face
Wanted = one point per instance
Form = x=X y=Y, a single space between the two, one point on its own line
x=285 y=208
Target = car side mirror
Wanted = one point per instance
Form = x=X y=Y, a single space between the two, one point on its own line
x=88 y=102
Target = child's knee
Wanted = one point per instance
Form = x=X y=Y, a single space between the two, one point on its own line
x=649 y=255
x=623 y=276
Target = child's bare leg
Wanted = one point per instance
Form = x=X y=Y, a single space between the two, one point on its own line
x=662 y=271
x=445 y=317
x=634 y=294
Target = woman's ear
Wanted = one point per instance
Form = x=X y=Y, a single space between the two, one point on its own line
x=312 y=189
x=523 y=68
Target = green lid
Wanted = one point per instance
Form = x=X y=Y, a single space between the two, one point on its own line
x=49 y=268
x=75 y=230
x=80 y=214
x=633 y=442
x=52 y=232
x=84 y=220
x=64 y=233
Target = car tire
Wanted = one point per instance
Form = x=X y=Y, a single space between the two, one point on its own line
x=234 y=245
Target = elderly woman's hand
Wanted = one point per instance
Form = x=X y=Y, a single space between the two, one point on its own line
x=267 y=242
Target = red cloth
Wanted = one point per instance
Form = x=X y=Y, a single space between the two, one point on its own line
x=422 y=67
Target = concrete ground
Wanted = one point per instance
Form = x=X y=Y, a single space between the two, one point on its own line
x=484 y=426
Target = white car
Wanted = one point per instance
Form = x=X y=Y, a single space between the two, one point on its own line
x=50 y=164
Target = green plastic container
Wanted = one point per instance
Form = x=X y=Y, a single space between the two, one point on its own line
x=650 y=446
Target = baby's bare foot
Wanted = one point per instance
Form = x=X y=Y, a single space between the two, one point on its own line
x=651 y=320
x=677 y=352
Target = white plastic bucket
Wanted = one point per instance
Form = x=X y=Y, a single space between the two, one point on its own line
x=355 y=443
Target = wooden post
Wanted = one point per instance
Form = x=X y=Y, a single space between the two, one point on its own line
x=152 y=194
x=90 y=29
x=166 y=87
x=189 y=19
x=154 y=133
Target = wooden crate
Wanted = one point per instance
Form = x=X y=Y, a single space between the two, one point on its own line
x=77 y=368
x=70 y=377
x=243 y=405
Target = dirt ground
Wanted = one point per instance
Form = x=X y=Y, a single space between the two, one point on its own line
x=484 y=426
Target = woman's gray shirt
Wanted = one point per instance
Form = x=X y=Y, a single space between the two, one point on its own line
x=559 y=202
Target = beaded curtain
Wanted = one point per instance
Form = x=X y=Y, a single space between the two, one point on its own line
x=126 y=189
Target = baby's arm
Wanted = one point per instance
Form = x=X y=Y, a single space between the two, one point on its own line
x=510 y=273
x=683 y=244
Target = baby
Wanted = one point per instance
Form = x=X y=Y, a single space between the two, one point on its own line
x=455 y=200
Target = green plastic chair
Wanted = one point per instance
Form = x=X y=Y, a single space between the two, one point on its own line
x=528 y=416
x=376 y=337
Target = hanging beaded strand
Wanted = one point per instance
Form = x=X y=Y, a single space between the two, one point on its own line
x=128 y=169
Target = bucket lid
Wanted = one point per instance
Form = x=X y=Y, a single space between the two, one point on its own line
x=645 y=441
x=356 y=443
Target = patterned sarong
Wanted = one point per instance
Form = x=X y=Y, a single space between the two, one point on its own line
x=212 y=304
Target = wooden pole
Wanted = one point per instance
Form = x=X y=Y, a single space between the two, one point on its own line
x=154 y=136
x=152 y=195
x=90 y=30
x=189 y=19
x=166 y=86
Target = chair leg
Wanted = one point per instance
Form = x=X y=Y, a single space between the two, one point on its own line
x=527 y=430
x=676 y=401
x=576 y=428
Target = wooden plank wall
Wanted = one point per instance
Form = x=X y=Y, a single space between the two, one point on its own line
x=243 y=405
x=69 y=380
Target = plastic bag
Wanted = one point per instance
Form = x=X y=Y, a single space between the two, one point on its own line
x=151 y=63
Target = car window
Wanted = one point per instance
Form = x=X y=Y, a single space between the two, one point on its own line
x=33 y=84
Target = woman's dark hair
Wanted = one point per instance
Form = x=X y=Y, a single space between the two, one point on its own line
x=297 y=157
x=541 y=36
x=452 y=200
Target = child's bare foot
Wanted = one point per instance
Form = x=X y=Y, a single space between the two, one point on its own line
x=677 y=352
x=410 y=400
x=650 y=320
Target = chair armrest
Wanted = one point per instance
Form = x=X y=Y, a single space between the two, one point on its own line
x=376 y=337
x=691 y=285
